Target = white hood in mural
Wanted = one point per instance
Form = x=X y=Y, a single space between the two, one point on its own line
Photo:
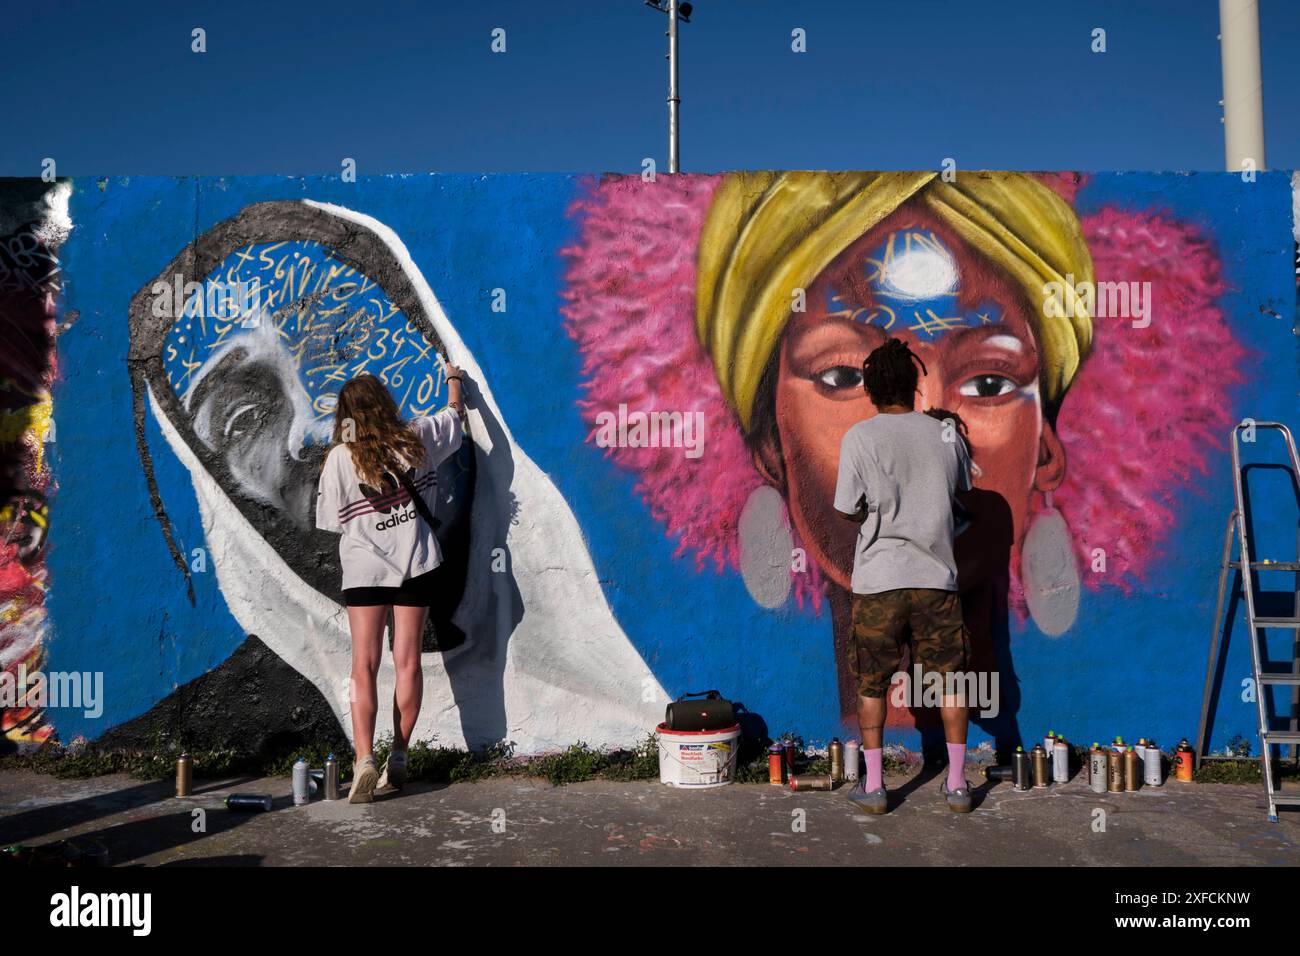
x=565 y=672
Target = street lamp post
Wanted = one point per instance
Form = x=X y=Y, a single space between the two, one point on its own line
x=677 y=11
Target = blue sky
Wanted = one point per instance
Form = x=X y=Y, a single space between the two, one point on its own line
x=294 y=87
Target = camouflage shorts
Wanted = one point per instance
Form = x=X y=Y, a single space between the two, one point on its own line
x=882 y=623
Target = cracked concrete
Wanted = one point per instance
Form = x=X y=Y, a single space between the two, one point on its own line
x=507 y=822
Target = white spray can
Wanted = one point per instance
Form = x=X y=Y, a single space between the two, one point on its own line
x=300 y=782
x=1151 y=765
x=1060 y=761
x=852 y=760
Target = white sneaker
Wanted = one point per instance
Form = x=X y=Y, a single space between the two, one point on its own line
x=363 y=781
x=394 y=774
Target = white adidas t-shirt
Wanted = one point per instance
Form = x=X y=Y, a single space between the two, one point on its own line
x=385 y=541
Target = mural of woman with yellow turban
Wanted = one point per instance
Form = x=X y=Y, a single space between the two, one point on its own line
x=755 y=297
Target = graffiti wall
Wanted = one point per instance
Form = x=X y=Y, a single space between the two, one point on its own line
x=662 y=372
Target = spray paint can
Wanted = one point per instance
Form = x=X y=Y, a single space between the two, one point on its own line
x=331 y=778
x=1132 y=770
x=852 y=760
x=184 y=776
x=1049 y=744
x=999 y=774
x=1114 y=771
x=300 y=770
x=835 y=754
x=248 y=801
x=1022 y=776
x=1097 y=769
x=1151 y=765
x=1183 y=760
x=1141 y=748
x=1061 y=761
x=790 y=753
x=776 y=765
x=812 y=782
x=1038 y=756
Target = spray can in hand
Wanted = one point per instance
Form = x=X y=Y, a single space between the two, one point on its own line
x=300 y=782
x=331 y=778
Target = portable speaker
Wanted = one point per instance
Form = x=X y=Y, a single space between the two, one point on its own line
x=711 y=713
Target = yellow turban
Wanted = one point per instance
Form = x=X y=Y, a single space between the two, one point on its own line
x=768 y=234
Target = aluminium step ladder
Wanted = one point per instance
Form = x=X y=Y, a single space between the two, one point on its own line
x=1266 y=674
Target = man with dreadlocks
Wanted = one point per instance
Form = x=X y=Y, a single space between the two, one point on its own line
x=899 y=471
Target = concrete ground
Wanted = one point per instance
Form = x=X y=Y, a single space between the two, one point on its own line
x=509 y=822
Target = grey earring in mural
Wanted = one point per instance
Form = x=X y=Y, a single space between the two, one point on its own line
x=1050 y=573
x=766 y=547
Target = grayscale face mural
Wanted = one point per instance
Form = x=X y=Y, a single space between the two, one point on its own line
x=244 y=340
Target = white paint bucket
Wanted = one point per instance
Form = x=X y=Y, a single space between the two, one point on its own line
x=698 y=759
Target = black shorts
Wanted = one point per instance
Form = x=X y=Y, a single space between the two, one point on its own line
x=413 y=592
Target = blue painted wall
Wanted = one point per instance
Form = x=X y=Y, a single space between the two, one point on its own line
x=1132 y=664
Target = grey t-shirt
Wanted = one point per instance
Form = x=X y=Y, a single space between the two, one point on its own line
x=906 y=468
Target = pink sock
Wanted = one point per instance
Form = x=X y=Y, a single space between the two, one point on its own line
x=873 y=769
x=956 y=766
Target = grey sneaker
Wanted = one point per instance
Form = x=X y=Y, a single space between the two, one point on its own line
x=959 y=799
x=363 y=783
x=394 y=774
x=874 y=801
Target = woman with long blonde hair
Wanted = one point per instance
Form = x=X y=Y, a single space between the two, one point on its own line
x=377 y=489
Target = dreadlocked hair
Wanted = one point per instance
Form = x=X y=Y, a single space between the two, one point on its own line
x=889 y=375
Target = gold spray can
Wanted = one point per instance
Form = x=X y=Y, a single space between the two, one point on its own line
x=812 y=782
x=1132 y=770
x=184 y=775
x=835 y=750
x=1038 y=758
x=1114 y=771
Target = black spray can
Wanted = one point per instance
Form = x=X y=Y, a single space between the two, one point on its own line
x=1021 y=772
x=249 y=802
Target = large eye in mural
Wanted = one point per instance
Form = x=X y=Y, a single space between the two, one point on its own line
x=243 y=343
